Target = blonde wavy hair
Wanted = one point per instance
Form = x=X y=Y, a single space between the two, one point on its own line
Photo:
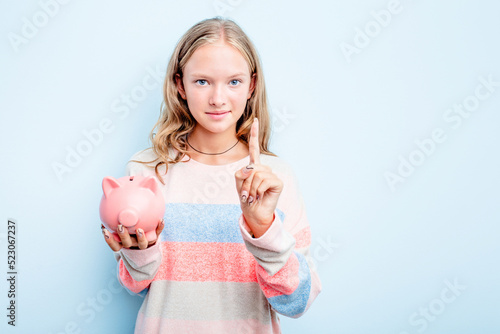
x=176 y=122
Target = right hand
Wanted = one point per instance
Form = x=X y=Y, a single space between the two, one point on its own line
x=137 y=241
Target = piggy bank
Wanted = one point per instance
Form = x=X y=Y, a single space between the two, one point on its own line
x=133 y=201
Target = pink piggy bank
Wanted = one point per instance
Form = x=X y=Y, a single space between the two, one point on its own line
x=133 y=201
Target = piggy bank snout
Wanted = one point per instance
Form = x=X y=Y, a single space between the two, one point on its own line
x=128 y=217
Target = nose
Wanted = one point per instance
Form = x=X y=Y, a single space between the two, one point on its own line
x=128 y=218
x=218 y=97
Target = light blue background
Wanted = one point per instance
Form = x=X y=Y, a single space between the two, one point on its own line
x=383 y=256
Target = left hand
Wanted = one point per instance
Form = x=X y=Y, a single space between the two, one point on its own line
x=130 y=241
x=258 y=188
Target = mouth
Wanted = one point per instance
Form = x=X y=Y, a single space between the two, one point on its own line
x=218 y=115
x=217 y=112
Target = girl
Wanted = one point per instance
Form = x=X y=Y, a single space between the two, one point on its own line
x=233 y=248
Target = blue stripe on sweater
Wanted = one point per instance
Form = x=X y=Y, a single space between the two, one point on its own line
x=188 y=222
x=295 y=304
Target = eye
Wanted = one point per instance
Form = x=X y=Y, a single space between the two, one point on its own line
x=234 y=82
x=201 y=82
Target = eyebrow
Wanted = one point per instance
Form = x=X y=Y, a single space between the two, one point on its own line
x=239 y=74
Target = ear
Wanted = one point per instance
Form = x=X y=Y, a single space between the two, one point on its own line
x=108 y=184
x=180 y=86
x=252 y=85
x=149 y=183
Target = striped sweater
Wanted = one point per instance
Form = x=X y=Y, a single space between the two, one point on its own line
x=207 y=274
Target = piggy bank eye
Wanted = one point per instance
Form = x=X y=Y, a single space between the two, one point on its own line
x=131 y=178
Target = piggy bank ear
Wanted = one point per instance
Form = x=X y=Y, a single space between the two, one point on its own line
x=108 y=184
x=149 y=183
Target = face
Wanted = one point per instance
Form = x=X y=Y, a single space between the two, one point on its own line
x=216 y=84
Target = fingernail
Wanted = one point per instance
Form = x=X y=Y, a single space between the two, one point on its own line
x=120 y=228
x=139 y=231
x=106 y=233
x=247 y=169
x=250 y=200
x=162 y=222
x=244 y=195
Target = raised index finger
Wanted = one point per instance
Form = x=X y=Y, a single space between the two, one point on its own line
x=253 y=143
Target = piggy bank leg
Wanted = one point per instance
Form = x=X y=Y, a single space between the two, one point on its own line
x=151 y=235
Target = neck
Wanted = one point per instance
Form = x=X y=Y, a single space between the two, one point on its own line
x=209 y=142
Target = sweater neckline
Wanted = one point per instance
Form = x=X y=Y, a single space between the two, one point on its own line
x=217 y=166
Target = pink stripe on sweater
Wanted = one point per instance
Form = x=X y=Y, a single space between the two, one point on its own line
x=204 y=261
x=284 y=282
x=129 y=282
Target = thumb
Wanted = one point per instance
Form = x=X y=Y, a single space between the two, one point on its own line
x=241 y=175
x=244 y=172
x=247 y=170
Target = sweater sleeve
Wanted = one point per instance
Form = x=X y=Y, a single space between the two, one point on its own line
x=285 y=269
x=138 y=267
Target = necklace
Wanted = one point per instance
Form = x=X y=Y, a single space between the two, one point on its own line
x=211 y=153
